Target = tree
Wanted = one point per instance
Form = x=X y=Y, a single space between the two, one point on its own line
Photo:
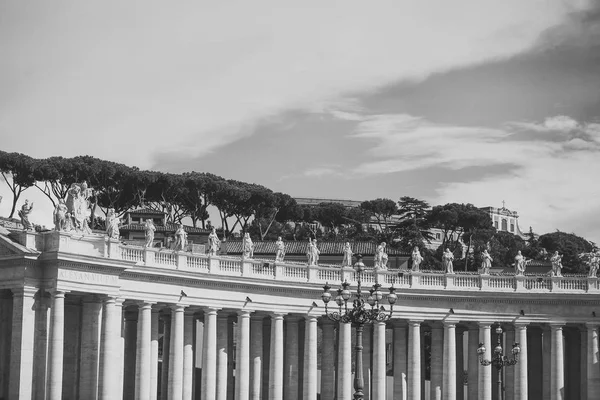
x=332 y=216
x=504 y=247
x=570 y=246
x=55 y=175
x=283 y=208
x=17 y=171
x=414 y=226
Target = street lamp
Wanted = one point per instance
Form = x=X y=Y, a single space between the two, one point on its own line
x=359 y=315
x=499 y=360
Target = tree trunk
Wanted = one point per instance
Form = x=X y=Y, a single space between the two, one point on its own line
x=14 y=206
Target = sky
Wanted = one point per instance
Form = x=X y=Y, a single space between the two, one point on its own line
x=476 y=101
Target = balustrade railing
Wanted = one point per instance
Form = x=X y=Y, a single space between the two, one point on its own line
x=320 y=274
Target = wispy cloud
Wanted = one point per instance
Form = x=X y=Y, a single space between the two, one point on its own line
x=193 y=77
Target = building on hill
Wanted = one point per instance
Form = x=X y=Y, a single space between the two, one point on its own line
x=331 y=252
x=133 y=230
x=504 y=220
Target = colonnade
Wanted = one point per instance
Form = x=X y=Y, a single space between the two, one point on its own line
x=144 y=350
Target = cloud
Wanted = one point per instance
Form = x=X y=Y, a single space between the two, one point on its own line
x=147 y=77
x=551 y=181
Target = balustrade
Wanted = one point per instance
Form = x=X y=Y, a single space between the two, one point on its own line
x=299 y=272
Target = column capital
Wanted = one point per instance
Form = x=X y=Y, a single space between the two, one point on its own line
x=244 y=313
x=210 y=310
x=556 y=325
x=277 y=315
x=449 y=324
x=592 y=325
x=485 y=324
x=311 y=317
x=520 y=325
x=57 y=293
x=415 y=322
x=178 y=307
x=25 y=291
x=145 y=304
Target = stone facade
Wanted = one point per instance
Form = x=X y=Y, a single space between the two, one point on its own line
x=89 y=318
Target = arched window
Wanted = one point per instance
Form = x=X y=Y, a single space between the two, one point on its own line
x=504 y=225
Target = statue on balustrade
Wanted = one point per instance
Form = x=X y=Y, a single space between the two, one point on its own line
x=417 y=258
x=213 y=242
x=149 y=230
x=24 y=215
x=60 y=216
x=247 y=246
x=592 y=260
x=112 y=224
x=279 y=250
x=556 y=261
x=77 y=203
x=447 y=259
x=313 y=252
x=347 y=261
x=180 y=238
x=520 y=264
x=486 y=262
x=381 y=257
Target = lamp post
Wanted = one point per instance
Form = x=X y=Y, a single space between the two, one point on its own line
x=499 y=360
x=359 y=315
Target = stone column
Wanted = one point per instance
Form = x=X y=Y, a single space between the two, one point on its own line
x=110 y=351
x=176 y=353
x=583 y=361
x=256 y=356
x=344 y=369
x=189 y=324
x=437 y=361
x=90 y=340
x=449 y=388
x=400 y=361
x=557 y=374
x=290 y=377
x=414 y=359
x=379 y=370
x=130 y=352
x=546 y=362
x=368 y=355
x=242 y=362
x=485 y=371
x=593 y=362
x=310 y=358
x=460 y=364
x=276 y=358
x=209 y=353
x=509 y=381
x=22 y=340
x=327 y=360
x=164 y=373
x=143 y=353
x=154 y=354
x=473 y=363
x=522 y=367
x=222 y=355
x=56 y=346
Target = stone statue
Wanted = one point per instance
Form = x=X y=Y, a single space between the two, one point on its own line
x=314 y=253
x=279 y=250
x=593 y=261
x=447 y=259
x=486 y=262
x=213 y=242
x=381 y=257
x=309 y=252
x=347 y=261
x=24 y=215
x=247 y=246
x=60 y=216
x=417 y=258
x=78 y=206
x=180 y=238
x=112 y=224
x=556 y=261
x=149 y=230
x=520 y=264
